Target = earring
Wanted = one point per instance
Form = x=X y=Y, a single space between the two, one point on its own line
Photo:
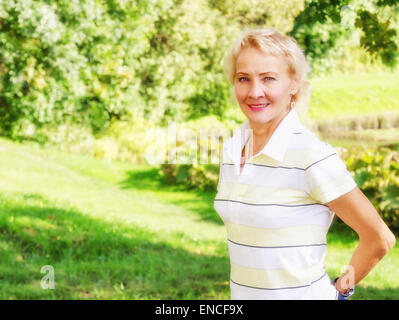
x=292 y=103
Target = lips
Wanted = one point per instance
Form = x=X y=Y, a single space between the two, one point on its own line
x=258 y=107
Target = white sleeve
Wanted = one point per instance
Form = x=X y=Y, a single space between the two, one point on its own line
x=328 y=179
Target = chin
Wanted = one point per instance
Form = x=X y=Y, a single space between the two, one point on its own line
x=258 y=118
x=263 y=121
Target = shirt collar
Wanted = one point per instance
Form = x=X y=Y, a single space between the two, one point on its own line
x=277 y=144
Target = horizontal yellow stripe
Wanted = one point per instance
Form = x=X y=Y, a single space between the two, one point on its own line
x=265 y=160
x=276 y=278
x=262 y=195
x=298 y=157
x=332 y=190
x=291 y=236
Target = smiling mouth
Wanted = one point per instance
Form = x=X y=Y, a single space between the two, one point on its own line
x=258 y=107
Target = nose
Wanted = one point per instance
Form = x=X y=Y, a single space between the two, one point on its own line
x=256 y=90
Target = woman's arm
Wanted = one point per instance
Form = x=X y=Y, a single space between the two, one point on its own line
x=375 y=238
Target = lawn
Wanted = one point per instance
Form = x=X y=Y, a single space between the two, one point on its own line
x=112 y=230
x=354 y=95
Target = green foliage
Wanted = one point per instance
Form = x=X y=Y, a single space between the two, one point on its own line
x=377 y=174
x=199 y=177
x=321 y=28
x=316 y=29
x=70 y=62
x=258 y=13
x=140 y=141
x=183 y=70
x=378 y=37
x=91 y=62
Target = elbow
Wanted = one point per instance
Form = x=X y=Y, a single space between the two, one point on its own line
x=381 y=244
x=390 y=241
x=386 y=243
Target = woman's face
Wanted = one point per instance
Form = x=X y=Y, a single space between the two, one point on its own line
x=263 y=87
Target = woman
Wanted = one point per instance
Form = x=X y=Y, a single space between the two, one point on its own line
x=280 y=185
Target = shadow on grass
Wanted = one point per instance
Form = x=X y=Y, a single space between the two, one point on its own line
x=147 y=179
x=200 y=202
x=95 y=259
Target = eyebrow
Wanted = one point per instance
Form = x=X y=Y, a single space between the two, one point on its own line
x=263 y=73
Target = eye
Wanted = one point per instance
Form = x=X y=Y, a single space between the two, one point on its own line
x=242 y=79
x=269 y=78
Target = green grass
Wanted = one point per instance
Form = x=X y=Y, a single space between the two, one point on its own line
x=112 y=230
x=343 y=95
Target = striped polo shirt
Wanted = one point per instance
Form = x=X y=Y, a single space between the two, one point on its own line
x=275 y=215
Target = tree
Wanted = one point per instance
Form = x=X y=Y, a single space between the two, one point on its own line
x=321 y=24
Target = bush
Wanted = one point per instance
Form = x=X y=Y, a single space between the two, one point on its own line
x=91 y=62
x=200 y=177
x=65 y=61
x=376 y=171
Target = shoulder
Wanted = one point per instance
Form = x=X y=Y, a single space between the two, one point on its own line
x=306 y=148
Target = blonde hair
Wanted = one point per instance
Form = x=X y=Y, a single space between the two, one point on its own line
x=272 y=42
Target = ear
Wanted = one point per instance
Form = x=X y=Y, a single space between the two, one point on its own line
x=294 y=86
